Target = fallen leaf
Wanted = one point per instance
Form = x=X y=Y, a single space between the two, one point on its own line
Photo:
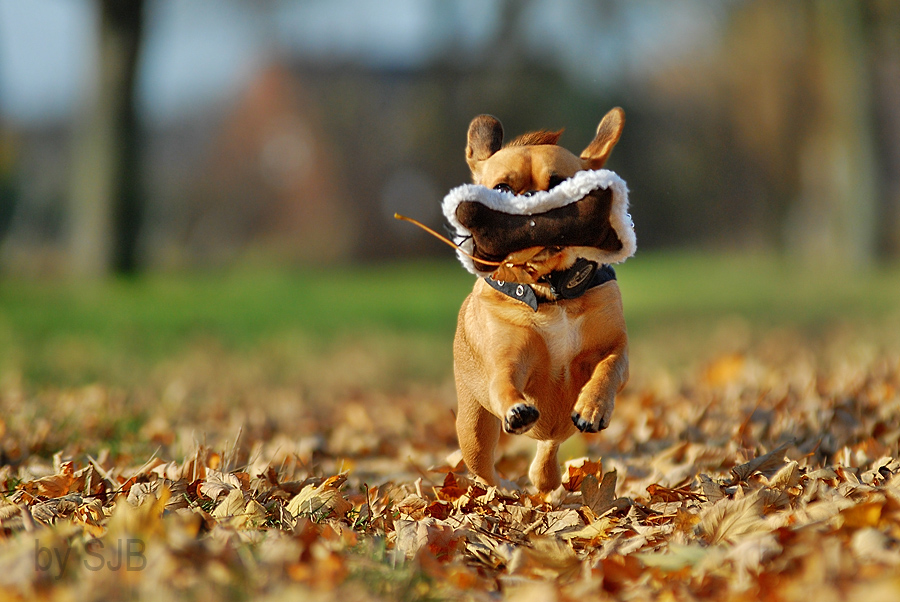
x=674 y=558
x=712 y=490
x=324 y=501
x=546 y=557
x=599 y=497
x=576 y=470
x=231 y=505
x=218 y=483
x=600 y=528
x=767 y=463
x=728 y=520
x=862 y=515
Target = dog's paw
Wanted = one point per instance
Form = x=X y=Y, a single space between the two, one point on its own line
x=592 y=420
x=520 y=418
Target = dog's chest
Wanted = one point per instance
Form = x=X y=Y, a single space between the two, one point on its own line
x=562 y=335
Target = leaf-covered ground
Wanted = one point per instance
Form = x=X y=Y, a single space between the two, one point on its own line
x=290 y=435
x=770 y=470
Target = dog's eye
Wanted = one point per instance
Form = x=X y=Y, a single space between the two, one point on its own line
x=503 y=188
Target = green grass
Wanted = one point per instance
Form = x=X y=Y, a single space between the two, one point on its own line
x=66 y=332
x=765 y=289
x=71 y=332
x=237 y=307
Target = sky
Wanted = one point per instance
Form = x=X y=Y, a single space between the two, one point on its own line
x=198 y=52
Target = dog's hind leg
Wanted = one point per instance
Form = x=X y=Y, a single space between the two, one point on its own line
x=544 y=472
x=478 y=432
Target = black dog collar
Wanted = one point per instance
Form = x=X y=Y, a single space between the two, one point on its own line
x=565 y=284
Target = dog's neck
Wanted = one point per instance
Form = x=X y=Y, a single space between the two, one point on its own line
x=557 y=286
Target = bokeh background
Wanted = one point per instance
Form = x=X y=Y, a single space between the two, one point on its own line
x=167 y=134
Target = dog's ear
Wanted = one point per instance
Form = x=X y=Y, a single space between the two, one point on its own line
x=608 y=133
x=484 y=139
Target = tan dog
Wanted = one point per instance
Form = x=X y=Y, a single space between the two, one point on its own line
x=543 y=373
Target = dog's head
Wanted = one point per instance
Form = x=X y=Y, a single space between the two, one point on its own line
x=534 y=161
x=535 y=207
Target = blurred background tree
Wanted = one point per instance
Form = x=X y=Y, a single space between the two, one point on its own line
x=198 y=133
x=106 y=196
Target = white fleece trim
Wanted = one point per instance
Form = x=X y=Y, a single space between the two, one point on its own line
x=565 y=193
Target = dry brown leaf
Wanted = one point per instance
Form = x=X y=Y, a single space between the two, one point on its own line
x=7 y=510
x=545 y=557
x=231 y=505
x=576 y=470
x=139 y=491
x=659 y=493
x=787 y=477
x=439 y=510
x=729 y=520
x=253 y=516
x=529 y=265
x=675 y=557
x=452 y=489
x=559 y=522
x=599 y=497
x=439 y=540
x=218 y=484
x=599 y=529
x=324 y=501
x=767 y=463
x=51 y=486
x=712 y=490
x=142 y=521
x=412 y=506
x=862 y=515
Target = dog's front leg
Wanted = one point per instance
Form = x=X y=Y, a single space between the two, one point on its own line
x=480 y=417
x=594 y=406
x=507 y=401
x=478 y=431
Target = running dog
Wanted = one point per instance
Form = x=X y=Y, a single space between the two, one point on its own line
x=541 y=347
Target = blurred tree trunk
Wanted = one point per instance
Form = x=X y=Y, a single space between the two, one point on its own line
x=834 y=219
x=884 y=21
x=105 y=194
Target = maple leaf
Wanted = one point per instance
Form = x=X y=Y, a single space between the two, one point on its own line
x=452 y=489
x=577 y=470
x=599 y=497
